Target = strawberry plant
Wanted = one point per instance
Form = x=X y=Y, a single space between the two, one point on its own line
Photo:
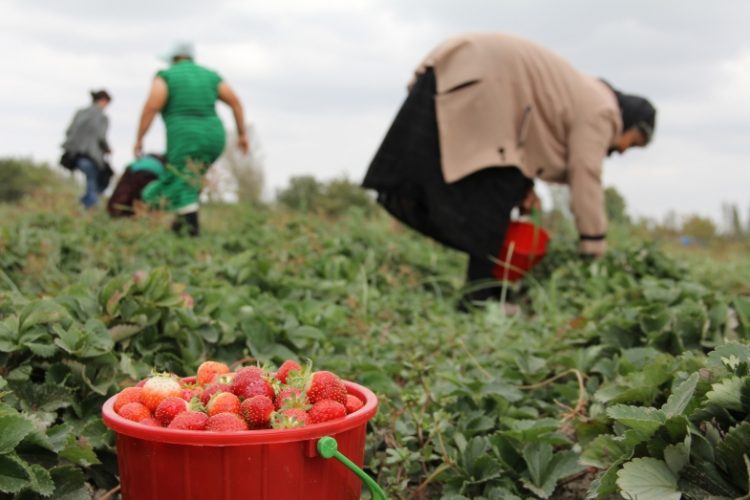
x=625 y=376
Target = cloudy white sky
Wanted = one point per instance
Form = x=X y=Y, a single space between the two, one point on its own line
x=322 y=79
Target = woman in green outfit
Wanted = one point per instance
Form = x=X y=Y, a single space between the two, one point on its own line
x=186 y=95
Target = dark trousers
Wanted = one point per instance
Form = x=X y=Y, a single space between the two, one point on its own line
x=128 y=189
x=186 y=225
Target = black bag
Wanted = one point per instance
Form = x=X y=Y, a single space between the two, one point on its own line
x=104 y=176
x=68 y=160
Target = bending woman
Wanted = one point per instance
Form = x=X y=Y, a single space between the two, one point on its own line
x=486 y=115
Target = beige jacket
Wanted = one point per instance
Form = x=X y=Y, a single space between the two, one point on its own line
x=504 y=101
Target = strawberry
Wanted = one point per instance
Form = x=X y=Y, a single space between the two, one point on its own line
x=169 y=408
x=325 y=410
x=135 y=412
x=325 y=385
x=190 y=392
x=289 y=419
x=213 y=389
x=291 y=397
x=286 y=367
x=127 y=395
x=223 y=402
x=257 y=411
x=248 y=373
x=189 y=421
x=150 y=421
x=141 y=383
x=353 y=403
x=159 y=388
x=208 y=370
x=225 y=422
x=253 y=387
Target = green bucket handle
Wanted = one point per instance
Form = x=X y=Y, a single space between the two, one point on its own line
x=328 y=447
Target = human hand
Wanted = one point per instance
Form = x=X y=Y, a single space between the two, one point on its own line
x=243 y=143
x=530 y=203
x=138 y=148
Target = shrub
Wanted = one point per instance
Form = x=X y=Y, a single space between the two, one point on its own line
x=22 y=176
x=335 y=197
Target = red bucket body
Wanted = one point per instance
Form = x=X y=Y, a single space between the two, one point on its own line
x=161 y=463
x=524 y=246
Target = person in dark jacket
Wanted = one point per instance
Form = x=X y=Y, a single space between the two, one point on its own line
x=86 y=141
x=486 y=115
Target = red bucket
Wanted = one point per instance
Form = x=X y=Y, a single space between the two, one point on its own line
x=156 y=463
x=524 y=246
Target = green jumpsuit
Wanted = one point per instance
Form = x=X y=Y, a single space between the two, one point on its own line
x=195 y=136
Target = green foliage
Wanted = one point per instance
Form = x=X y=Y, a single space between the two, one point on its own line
x=335 y=197
x=626 y=364
x=699 y=227
x=20 y=177
x=614 y=205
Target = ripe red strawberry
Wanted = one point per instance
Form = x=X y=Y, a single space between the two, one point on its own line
x=150 y=421
x=257 y=412
x=127 y=395
x=189 y=421
x=326 y=385
x=252 y=387
x=208 y=370
x=191 y=391
x=325 y=410
x=169 y=408
x=225 y=422
x=289 y=419
x=213 y=389
x=286 y=367
x=223 y=402
x=135 y=412
x=353 y=403
x=158 y=388
x=248 y=373
x=291 y=397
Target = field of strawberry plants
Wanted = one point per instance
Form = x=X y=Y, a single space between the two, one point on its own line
x=623 y=377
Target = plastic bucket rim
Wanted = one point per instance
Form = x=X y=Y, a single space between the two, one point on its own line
x=243 y=438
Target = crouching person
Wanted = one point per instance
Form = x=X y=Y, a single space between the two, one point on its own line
x=136 y=177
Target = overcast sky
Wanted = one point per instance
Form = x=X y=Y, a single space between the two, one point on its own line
x=322 y=79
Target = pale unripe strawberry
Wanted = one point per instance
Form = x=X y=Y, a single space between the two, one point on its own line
x=158 y=388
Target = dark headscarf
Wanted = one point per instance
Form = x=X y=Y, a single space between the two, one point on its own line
x=637 y=112
x=100 y=94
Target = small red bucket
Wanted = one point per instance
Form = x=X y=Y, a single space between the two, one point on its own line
x=524 y=246
x=160 y=463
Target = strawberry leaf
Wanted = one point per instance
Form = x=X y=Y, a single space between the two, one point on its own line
x=648 y=479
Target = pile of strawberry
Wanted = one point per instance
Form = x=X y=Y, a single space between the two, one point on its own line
x=249 y=398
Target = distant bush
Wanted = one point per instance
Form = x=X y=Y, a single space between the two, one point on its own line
x=22 y=176
x=307 y=194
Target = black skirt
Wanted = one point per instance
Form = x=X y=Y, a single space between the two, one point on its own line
x=470 y=215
